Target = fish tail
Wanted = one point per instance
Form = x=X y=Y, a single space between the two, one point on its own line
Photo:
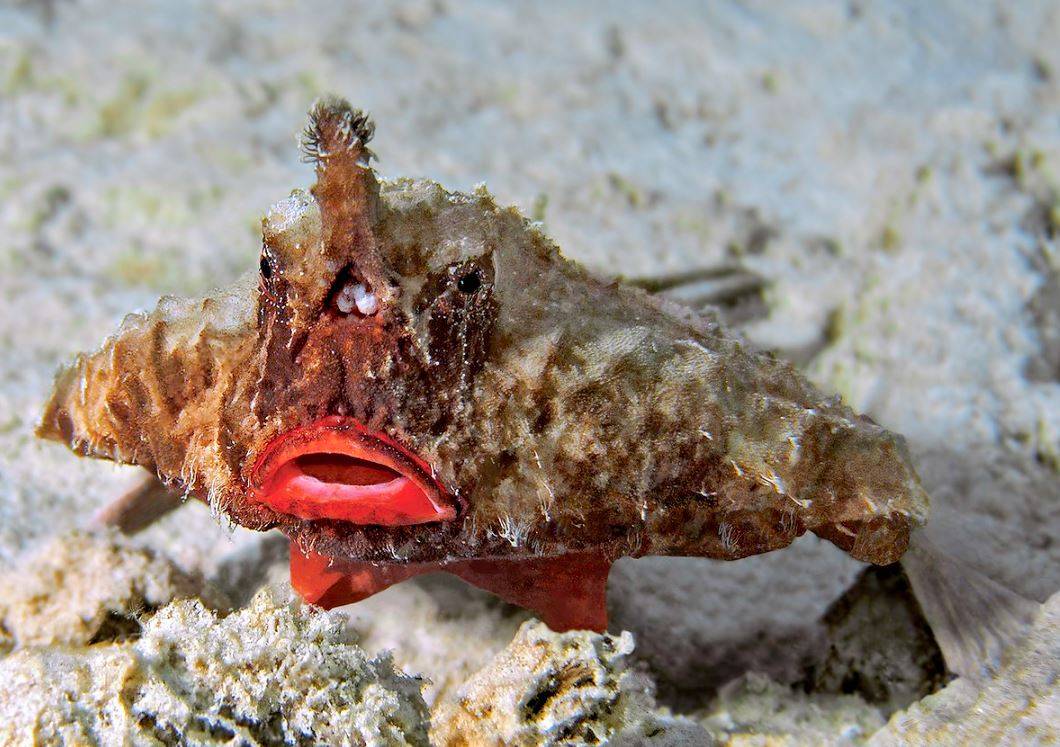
x=974 y=618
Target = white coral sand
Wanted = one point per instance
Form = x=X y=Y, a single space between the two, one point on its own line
x=892 y=167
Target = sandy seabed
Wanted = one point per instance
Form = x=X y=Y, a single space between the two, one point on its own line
x=893 y=170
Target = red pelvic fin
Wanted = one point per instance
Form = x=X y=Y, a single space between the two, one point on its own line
x=568 y=592
x=326 y=584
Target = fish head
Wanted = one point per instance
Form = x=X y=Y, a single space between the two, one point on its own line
x=374 y=319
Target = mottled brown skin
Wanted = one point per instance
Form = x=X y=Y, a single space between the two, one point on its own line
x=563 y=412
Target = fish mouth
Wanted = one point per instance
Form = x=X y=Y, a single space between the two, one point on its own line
x=337 y=469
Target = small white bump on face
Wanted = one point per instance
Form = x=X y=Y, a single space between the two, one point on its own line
x=345 y=300
x=356 y=296
x=366 y=302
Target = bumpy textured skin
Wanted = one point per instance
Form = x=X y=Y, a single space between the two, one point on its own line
x=563 y=412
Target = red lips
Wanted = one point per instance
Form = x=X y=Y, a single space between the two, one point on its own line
x=335 y=468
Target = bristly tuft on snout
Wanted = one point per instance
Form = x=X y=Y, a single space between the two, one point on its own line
x=335 y=127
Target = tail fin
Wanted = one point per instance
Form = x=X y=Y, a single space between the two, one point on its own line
x=973 y=617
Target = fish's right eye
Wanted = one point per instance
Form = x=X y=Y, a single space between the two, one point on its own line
x=470 y=282
x=266 y=267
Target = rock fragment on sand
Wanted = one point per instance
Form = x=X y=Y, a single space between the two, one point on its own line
x=267 y=674
x=559 y=689
x=880 y=645
x=1018 y=705
x=755 y=710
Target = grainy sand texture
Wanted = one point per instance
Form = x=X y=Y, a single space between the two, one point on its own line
x=892 y=169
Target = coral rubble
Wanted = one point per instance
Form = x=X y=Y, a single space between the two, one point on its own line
x=267 y=674
x=559 y=688
x=755 y=710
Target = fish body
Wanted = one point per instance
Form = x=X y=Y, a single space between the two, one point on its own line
x=417 y=379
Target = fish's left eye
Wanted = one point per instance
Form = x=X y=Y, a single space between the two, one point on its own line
x=469 y=282
x=266 y=267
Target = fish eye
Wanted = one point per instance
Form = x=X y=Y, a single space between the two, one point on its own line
x=469 y=282
x=266 y=267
